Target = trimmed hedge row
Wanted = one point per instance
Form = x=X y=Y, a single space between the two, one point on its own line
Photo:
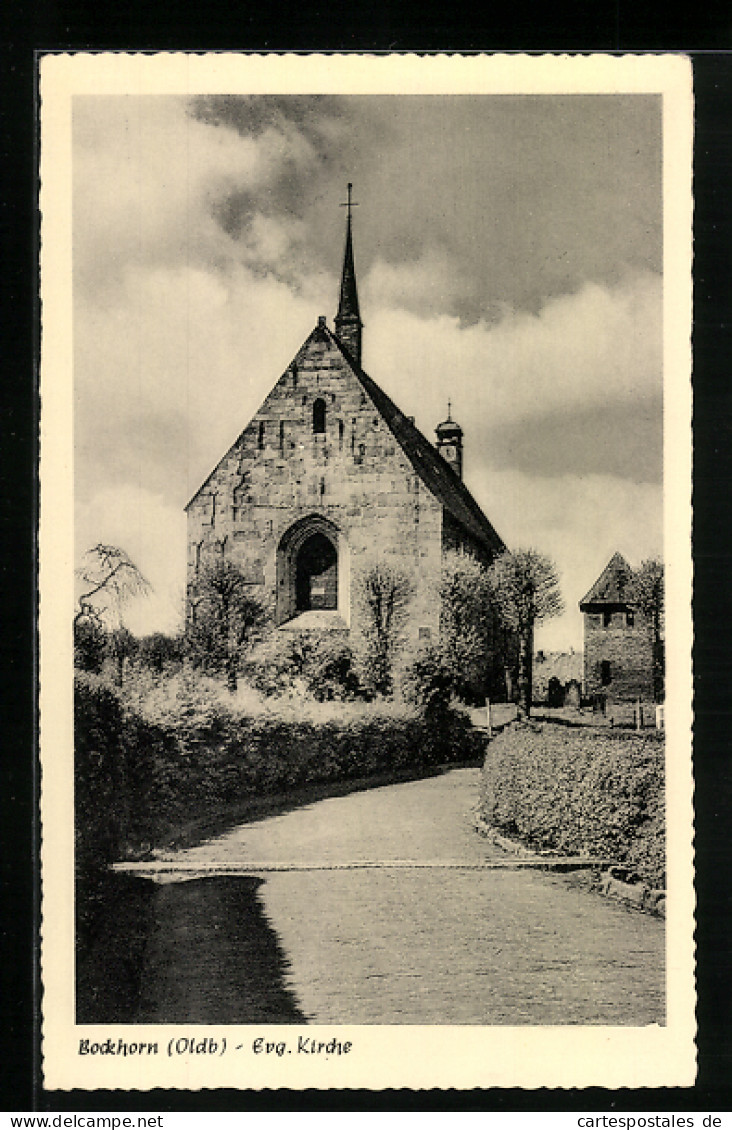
x=579 y=791
x=138 y=779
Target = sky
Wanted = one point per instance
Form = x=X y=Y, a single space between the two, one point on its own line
x=509 y=255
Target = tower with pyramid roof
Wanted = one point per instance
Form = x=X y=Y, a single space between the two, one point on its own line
x=618 y=658
x=329 y=477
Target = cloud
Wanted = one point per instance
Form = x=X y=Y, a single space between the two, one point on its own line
x=598 y=351
x=523 y=197
x=154 y=186
x=167 y=376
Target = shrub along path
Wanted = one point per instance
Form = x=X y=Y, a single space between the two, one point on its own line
x=421 y=945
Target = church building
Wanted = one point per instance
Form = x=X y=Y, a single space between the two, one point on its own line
x=330 y=477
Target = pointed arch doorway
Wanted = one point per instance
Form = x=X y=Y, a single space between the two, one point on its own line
x=311 y=570
x=316 y=575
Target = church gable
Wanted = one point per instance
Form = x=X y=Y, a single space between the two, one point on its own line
x=329 y=476
x=317 y=462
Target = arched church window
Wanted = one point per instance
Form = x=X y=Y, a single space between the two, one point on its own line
x=319 y=416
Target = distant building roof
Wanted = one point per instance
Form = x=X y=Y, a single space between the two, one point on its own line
x=610 y=587
x=561 y=665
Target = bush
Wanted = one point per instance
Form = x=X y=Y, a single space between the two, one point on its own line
x=303 y=663
x=427 y=682
x=186 y=750
x=160 y=653
x=578 y=791
x=90 y=645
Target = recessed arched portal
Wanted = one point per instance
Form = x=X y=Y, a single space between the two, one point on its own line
x=316 y=575
x=312 y=569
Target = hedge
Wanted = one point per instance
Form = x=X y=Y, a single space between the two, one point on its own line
x=580 y=791
x=138 y=777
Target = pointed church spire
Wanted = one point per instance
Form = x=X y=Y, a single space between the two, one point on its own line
x=348 y=324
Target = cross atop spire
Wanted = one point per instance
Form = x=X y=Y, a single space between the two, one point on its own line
x=349 y=203
x=348 y=323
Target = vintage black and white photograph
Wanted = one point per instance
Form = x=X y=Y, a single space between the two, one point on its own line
x=370 y=552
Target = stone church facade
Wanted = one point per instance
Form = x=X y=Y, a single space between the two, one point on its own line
x=328 y=477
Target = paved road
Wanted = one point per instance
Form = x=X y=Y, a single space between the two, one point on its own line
x=392 y=945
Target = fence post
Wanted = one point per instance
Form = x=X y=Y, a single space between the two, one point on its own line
x=488 y=716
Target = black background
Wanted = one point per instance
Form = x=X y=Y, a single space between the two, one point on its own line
x=701 y=32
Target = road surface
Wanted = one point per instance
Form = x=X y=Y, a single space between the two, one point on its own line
x=386 y=907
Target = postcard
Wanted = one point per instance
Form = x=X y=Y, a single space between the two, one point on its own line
x=365 y=571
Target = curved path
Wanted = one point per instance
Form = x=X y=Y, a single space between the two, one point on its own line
x=434 y=944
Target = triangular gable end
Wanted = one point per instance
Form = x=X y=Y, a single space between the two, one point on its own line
x=318 y=335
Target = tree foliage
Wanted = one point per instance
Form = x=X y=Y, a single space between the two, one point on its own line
x=525 y=588
x=646 y=592
x=383 y=593
x=227 y=616
x=160 y=652
x=467 y=624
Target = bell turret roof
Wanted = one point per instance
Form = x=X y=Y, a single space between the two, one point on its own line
x=448 y=426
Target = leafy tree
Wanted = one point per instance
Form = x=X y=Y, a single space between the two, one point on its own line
x=646 y=592
x=467 y=624
x=383 y=595
x=110 y=580
x=525 y=588
x=226 y=618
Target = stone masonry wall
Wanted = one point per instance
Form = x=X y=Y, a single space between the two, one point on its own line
x=354 y=474
x=629 y=650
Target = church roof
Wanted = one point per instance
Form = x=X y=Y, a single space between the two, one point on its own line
x=610 y=586
x=432 y=469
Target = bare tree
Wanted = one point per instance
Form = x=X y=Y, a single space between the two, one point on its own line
x=111 y=579
x=525 y=588
x=383 y=593
x=646 y=592
x=227 y=616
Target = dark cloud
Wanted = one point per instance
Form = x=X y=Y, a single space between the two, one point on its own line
x=530 y=197
x=625 y=441
x=315 y=116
